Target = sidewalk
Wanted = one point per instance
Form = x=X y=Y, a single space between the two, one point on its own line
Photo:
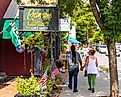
x=10 y=89
x=102 y=87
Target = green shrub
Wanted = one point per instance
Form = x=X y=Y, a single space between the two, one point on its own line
x=104 y=69
x=49 y=84
x=27 y=86
x=58 y=79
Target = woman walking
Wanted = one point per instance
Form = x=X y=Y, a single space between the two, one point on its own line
x=73 y=62
x=91 y=63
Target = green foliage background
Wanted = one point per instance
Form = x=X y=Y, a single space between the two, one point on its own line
x=81 y=14
x=110 y=12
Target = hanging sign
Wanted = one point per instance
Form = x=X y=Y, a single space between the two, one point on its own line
x=38 y=18
x=64 y=24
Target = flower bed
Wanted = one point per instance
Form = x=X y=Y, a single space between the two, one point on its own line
x=29 y=87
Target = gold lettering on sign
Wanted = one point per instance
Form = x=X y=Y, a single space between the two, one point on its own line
x=37 y=18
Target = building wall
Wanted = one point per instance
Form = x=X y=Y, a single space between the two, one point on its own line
x=12 y=62
x=3 y=7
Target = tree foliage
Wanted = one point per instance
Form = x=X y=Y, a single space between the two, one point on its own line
x=85 y=21
x=81 y=14
x=33 y=2
x=67 y=6
x=97 y=37
x=33 y=40
x=109 y=11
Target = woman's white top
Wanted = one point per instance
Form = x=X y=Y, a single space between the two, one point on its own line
x=91 y=68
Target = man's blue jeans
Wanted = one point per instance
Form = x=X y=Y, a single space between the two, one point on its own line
x=73 y=73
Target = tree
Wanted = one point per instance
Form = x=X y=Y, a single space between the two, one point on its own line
x=32 y=2
x=85 y=21
x=107 y=13
x=67 y=6
x=80 y=14
x=97 y=37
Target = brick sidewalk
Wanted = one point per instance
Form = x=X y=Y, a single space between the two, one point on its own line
x=9 y=90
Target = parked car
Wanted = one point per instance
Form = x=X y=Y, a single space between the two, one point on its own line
x=117 y=45
x=103 y=49
x=117 y=53
x=97 y=48
x=120 y=48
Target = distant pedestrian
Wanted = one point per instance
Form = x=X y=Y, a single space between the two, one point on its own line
x=73 y=61
x=86 y=50
x=91 y=63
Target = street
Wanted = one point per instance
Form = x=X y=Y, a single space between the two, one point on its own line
x=103 y=60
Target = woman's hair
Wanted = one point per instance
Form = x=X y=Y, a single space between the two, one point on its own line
x=73 y=54
x=92 y=52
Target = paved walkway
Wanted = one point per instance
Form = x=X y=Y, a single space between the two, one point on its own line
x=102 y=87
x=10 y=90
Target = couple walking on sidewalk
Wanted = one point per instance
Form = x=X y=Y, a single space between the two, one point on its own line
x=91 y=63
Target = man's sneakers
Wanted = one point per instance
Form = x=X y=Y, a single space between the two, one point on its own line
x=75 y=91
x=69 y=87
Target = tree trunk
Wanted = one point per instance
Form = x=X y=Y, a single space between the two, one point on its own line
x=114 y=85
x=96 y=14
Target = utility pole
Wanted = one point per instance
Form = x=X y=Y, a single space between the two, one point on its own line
x=87 y=38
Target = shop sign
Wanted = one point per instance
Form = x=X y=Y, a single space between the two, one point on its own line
x=38 y=18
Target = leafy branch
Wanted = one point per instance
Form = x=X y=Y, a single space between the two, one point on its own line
x=33 y=40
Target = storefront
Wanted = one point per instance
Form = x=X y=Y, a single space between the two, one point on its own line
x=11 y=62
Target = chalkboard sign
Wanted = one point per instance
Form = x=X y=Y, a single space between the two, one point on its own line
x=33 y=18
